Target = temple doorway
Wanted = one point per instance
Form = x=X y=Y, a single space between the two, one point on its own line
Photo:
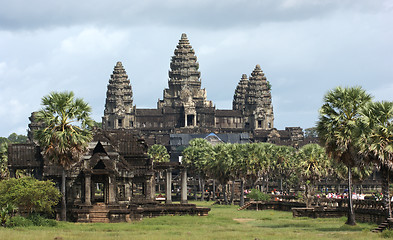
x=99 y=189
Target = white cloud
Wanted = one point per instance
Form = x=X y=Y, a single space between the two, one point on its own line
x=92 y=40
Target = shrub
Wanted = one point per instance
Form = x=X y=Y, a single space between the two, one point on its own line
x=6 y=213
x=258 y=195
x=29 y=194
x=39 y=220
x=19 y=221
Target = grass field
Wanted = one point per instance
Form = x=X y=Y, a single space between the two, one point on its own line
x=223 y=222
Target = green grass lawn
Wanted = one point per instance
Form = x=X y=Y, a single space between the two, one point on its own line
x=223 y=222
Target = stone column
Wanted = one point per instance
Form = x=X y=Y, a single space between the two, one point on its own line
x=168 y=189
x=87 y=189
x=150 y=187
x=183 y=186
x=111 y=190
x=185 y=118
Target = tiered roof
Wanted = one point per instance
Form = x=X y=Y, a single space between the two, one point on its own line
x=184 y=65
x=239 y=99
x=119 y=93
x=258 y=93
x=184 y=78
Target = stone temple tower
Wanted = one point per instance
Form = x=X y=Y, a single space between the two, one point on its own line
x=239 y=99
x=119 y=108
x=253 y=98
x=184 y=95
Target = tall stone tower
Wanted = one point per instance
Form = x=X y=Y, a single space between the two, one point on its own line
x=184 y=95
x=239 y=99
x=119 y=107
x=253 y=98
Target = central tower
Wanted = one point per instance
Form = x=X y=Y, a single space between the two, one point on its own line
x=184 y=95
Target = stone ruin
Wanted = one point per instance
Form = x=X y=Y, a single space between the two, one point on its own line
x=114 y=181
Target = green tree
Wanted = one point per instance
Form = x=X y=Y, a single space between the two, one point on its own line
x=4 y=173
x=196 y=157
x=376 y=142
x=284 y=164
x=219 y=166
x=336 y=129
x=65 y=134
x=15 y=138
x=29 y=194
x=239 y=167
x=311 y=132
x=313 y=165
x=158 y=153
x=4 y=140
x=262 y=162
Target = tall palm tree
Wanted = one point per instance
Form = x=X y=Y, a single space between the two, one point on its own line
x=336 y=129
x=285 y=163
x=376 y=141
x=265 y=161
x=158 y=153
x=313 y=164
x=65 y=134
x=196 y=156
x=238 y=168
x=219 y=166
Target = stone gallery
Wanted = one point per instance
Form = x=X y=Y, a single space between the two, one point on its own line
x=115 y=180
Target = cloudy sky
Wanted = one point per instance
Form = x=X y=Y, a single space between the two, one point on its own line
x=305 y=48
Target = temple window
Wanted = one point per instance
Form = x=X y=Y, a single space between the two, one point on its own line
x=121 y=192
x=259 y=123
x=120 y=122
x=190 y=120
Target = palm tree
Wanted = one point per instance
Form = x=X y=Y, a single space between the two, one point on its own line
x=313 y=165
x=376 y=141
x=284 y=163
x=196 y=156
x=219 y=166
x=240 y=166
x=336 y=129
x=158 y=153
x=265 y=161
x=65 y=134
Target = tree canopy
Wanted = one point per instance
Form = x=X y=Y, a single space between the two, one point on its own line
x=158 y=153
x=29 y=194
x=65 y=133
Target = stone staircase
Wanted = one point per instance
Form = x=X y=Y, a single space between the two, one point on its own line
x=245 y=206
x=384 y=225
x=99 y=213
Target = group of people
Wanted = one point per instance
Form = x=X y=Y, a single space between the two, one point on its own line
x=357 y=196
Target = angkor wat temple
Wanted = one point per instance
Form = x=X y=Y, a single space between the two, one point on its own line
x=185 y=109
x=115 y=179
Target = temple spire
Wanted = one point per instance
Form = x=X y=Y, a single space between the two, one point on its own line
x=239 y=98
x=184 y=78
x=259 y=100
x=184 y=65
x=119 y=102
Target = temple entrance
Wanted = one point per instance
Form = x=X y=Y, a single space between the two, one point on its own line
x=190 y=120
x=99 y=189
